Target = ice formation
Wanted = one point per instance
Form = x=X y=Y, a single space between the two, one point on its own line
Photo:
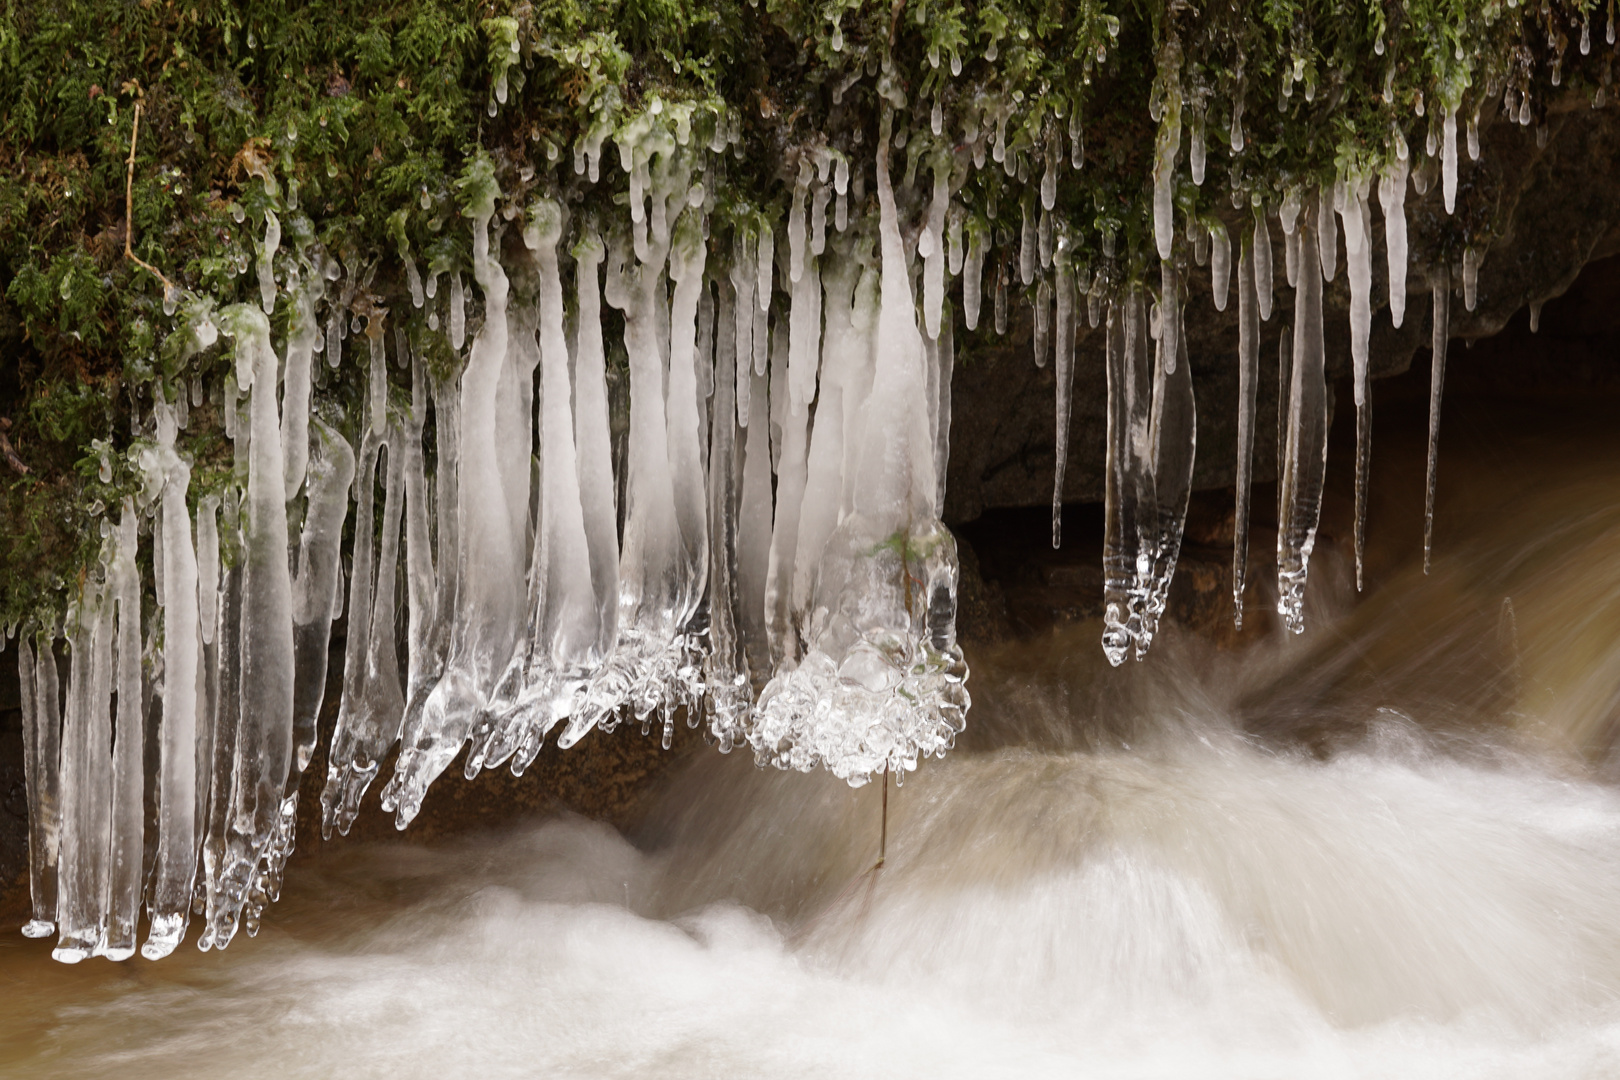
x=731 y=515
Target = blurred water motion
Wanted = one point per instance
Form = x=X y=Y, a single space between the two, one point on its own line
x=1389 y=848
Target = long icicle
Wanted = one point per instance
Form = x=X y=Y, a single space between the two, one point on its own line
x=1248 y=391
x=169 y=905
x=42 y=733
x=1440 y=335
x=1120 y=486
x=1305 y=463
x=1063 y=368
x=1357 y=216
x=129 y=745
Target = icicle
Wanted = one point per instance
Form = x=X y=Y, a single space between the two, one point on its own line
x=128 y=818
x=1448 y=159
x=1262 y=265
x=1441 y=283
x=744 y=275
x=458 y=312
x=1195 y=148
x=1169 y=308
x=1027 y=252
x=1127 y=485
x=946 y=356
x=801 y=189
x=765 y=265
x=593 y=443
x=754 y=527
x=934 y=258
x=175 y=867
x=1043 y=322
x=1471 y=258
x=1172 y=442
x=267 y=255
x=1248 y=388
x=818 y=219
x=40 y=684
x=973 y=279
x=880 y=684
x=1291 y=258
x=804 y=350
x=1358 y=264
x=791 y=476
x=295 y=397
x=725 y=668
x=1327 y=229
x=1164 y=172
x=660 y=584
x=1063 y=367
x=1220 y=263
x=86 y=782
x=373 y=701
x=331 y=475
x=1392 y=197
x=1001 y=299
x=488 y=570
x=1305 y=462
x=334 y=340
x=264 y=737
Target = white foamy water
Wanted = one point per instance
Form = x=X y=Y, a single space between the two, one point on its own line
x=1199 y=906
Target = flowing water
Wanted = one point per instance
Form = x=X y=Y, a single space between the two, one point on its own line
x=1388 y=848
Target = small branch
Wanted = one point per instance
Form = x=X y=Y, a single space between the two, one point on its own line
x=8 y=452
x=129 y=208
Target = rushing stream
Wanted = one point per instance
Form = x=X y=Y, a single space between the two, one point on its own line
x=1388 y=849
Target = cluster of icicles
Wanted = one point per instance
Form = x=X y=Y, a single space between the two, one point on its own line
x=1152 y=422
x=763 y=550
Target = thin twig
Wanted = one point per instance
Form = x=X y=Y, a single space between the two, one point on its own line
x=129 y=208
x=883 y=832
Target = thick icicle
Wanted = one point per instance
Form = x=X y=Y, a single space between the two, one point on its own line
x=330 y=475
x=265 y=737
x=881 y=683
x=295 y=395
x=973 y=278
x=1448 y=159
x=1439 y=337
x=1129 y=409
x=42 y=733
x=1063 y=368
x=1248 y=389
x=1220 y=263
x=1305 y=460
x=489 y=573
x=725 y=669
x=1040 y=340
x=1327 y=229
x=593 y=441
x=1392 y=197
x=129 y=745
x=754 y=528
x=660 y=577
x=744 y=275
x=551 y=669
x=1165 y=151
x=86 y=780
x=169 y=904
x=373 y=704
